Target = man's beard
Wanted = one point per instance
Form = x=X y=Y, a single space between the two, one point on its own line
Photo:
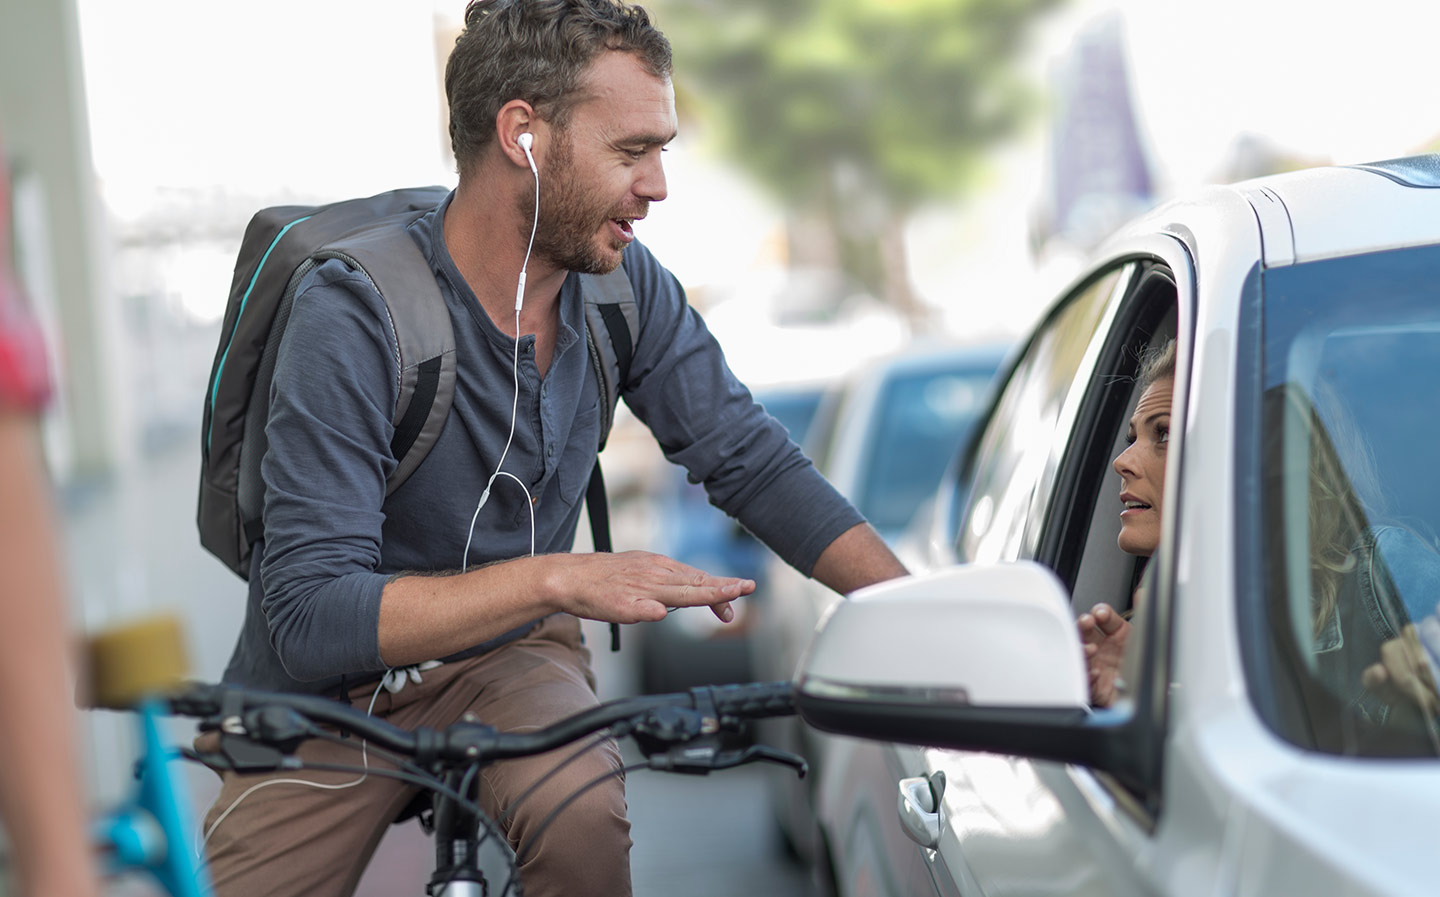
x=570 y=217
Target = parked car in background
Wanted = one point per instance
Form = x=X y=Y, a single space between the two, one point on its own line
x=788 y=332
x=882 y=436
x=1252 y=750
x=691 y=647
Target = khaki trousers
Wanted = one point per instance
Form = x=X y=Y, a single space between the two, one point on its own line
x=289 y=839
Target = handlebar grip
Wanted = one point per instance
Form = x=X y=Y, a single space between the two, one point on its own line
x=196 y=699
x=753 y=700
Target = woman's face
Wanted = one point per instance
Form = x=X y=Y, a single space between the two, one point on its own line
x=1142 y=470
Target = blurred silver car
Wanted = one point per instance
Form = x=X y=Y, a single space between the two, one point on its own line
x=1253 y=750
x=689 y=649
x=883 y=437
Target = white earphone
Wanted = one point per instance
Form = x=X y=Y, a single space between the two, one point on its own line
x=527 y=140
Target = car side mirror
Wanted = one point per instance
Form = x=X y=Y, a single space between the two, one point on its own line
x=918 y=658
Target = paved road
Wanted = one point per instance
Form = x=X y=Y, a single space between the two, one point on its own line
x=132 y=549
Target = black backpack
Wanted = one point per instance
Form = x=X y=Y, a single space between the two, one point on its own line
x=280 y=246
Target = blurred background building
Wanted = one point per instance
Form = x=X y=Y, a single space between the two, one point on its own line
x=848 y=175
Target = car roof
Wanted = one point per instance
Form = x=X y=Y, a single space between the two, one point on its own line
x=1315 y=213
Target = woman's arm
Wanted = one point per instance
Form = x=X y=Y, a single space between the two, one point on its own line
x=1104 y=633
x=40 y=785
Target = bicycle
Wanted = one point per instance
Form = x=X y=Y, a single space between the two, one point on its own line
x=694 y=732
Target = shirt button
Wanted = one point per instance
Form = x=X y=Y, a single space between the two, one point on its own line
x=549 y=451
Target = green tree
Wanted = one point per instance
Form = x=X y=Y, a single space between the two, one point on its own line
x=854 y=113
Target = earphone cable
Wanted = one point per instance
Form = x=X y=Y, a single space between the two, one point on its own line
x=515 y=401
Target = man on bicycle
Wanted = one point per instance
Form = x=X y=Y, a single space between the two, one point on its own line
x=357 y=593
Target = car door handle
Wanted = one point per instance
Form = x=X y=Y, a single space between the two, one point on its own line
x=919 y=806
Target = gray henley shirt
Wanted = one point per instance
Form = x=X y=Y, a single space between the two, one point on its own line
x=332 y=536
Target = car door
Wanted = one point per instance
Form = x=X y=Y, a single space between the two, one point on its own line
x=857 y=797
x=1004 y=824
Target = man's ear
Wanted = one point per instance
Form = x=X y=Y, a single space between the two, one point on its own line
x=515 y=118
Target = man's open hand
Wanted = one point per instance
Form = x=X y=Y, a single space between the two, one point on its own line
x=640 y=586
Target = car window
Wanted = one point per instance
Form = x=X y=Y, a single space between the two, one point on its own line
x=1013 y=454
x=1084 y=519
x=922 y=416
x=1349 y=418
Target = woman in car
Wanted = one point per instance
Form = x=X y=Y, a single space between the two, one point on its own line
x=1141 y=466
x=1366 y=580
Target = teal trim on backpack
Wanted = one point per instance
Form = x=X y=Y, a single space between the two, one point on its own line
x=220 y=368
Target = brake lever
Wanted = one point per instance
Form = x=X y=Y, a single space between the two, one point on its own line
x=757 y=753
x=705 y=756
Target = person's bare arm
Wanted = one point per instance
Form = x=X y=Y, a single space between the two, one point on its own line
x=423 y=617
x=40 y=785
x=857 y=558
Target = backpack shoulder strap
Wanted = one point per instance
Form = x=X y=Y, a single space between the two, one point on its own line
x=420 y=323
x=610 y=309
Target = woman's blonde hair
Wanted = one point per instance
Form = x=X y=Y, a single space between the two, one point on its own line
x=1157 y=363
x=1342 y=484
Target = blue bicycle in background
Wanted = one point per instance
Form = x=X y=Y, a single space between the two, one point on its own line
x=152 y=831
x=132 y=667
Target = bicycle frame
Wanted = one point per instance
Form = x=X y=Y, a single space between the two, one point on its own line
x=151 y=830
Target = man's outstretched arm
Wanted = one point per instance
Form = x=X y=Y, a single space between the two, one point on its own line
x=857 y=558
x=424 y=617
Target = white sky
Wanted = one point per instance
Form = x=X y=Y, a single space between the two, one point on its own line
x=331 y=97
x=1352 y=82
x=190 y=94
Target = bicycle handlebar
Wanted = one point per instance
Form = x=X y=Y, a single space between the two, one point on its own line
x=278 y=718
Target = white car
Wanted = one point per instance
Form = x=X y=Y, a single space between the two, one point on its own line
x=1248 y=753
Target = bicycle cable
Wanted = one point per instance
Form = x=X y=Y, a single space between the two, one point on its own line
x=564 y=804
x=421 y=777
x=496 y=826
x=600 y=737
x=490 y=828
x=365 y=760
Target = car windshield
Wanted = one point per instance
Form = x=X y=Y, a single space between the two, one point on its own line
x=922 y=417
x=1350 y=416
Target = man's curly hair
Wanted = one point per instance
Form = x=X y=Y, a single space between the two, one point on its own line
x=536 y=51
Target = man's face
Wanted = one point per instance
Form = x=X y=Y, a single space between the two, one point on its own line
x=603 y=169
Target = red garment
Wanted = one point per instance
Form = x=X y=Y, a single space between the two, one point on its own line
x=24 y=376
